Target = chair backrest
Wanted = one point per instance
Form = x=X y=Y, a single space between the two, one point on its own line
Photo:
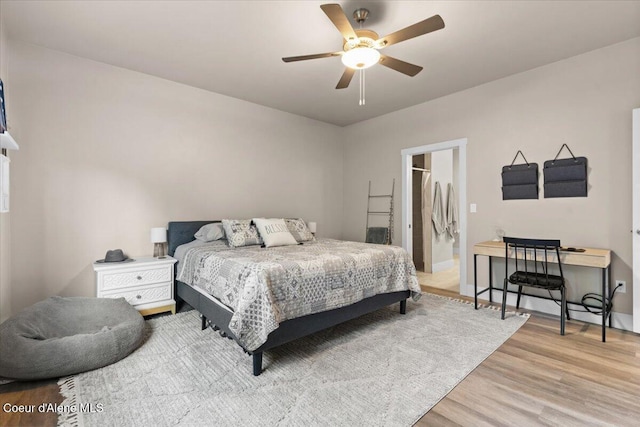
x=538 y=251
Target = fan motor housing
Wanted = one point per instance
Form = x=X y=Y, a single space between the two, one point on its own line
x=366 y=38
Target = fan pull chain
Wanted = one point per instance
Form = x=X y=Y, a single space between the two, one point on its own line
x=362 y=88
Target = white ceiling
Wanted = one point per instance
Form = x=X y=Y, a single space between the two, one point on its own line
x=235 y=47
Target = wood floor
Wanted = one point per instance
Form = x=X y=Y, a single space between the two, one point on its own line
x=537 y=377
x=29 y=393
x=448 y=279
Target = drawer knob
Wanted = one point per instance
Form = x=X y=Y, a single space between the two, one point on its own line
x=139 y=277
x=139 y=296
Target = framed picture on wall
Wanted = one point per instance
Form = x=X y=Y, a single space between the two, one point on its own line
x=3 y=114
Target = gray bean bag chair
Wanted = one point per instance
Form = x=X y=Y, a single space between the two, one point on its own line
x=64 y=336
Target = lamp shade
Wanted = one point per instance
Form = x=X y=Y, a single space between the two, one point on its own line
x=7 y=142
x=312 y=227
x=158 y=235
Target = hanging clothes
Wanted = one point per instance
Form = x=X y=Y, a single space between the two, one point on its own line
x=438 y=213
x=452 y=213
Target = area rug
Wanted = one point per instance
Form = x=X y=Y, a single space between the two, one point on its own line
x=382 y=369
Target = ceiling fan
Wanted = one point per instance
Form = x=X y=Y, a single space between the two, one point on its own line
x=361 y=47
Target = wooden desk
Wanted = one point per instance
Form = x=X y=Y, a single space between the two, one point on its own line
x=595 y=258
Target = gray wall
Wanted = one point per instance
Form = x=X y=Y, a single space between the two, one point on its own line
x=584 y=101
x=107 y=154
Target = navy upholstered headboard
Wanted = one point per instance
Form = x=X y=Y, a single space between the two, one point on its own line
x=181 y=232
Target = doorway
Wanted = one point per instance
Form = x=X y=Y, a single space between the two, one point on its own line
x=449 y=265
x=435 y=219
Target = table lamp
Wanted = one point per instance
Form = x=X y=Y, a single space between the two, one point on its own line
x=159 y=238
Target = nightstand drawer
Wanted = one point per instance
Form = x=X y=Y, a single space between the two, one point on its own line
x=123 y=279
x=143 y=295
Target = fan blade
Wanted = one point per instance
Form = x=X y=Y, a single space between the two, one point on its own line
x=346 y=78
x=398 y=65
x=423 y=27
x=316 y=56
x=340 y=20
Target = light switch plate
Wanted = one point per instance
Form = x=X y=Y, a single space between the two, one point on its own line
x=473 y=208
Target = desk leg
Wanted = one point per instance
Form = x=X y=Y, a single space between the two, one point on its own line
x=609 y=292
x=604 y=304
x=475 y=280
x=490 y=279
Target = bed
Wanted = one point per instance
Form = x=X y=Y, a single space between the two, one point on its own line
x=264 y=314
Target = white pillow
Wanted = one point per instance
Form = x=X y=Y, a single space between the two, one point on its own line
x=274 y=232
x=210 y=232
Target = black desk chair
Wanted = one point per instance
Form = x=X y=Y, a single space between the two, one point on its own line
x=531 y=258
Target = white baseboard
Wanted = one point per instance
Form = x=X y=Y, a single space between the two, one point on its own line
x=441 y=266
x=618 y=320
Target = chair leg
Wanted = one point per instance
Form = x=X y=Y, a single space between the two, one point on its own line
x=563 y=309
x=519 y=295
x=504 y=298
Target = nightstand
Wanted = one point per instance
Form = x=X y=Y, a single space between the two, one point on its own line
x=146 y=283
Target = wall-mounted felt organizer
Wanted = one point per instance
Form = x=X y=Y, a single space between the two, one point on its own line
x=565 y=177
x=520 y=181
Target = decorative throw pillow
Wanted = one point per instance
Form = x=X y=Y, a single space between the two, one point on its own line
x=240 y=232
x=299 y=229
x=210 y=232
x=274 y=232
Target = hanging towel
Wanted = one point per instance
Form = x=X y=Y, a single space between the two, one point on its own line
x=452 y=212
x=438 y=213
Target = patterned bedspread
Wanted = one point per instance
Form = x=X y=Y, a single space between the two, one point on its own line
x=266 y=286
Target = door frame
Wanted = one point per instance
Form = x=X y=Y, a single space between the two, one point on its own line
x=407 y=197
x=635 y=231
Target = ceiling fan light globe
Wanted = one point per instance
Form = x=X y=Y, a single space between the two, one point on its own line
x=361 y=58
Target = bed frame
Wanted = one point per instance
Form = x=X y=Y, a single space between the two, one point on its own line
x=219 y=316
